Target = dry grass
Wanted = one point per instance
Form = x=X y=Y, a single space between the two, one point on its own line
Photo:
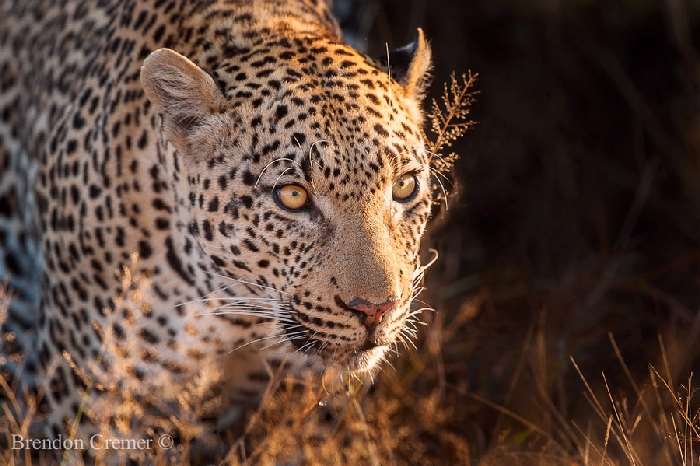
x=420 y=412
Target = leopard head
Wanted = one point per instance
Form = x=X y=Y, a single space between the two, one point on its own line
x=309 y=179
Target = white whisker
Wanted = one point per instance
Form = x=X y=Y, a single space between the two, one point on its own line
x=281 y=159
x=257 y=340
x=442 y=187
x=274 y=186
x=244 y=282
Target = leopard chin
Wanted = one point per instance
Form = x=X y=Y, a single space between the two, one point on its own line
x=359 y=361
x=367 y=361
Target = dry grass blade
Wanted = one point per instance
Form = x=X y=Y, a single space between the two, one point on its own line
x=449 y=120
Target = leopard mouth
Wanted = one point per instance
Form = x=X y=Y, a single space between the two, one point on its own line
x=354 y=359
x=357 y=357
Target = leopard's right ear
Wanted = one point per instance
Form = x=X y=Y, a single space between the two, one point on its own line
x=181 y=91
x=411 y=66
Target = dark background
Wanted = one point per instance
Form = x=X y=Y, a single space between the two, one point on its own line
x=578 y=220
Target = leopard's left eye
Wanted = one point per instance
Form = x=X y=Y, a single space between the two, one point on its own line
x=292 y=197
x=405 y=188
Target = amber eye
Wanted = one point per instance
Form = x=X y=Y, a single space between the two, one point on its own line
x=405 y=188
x=292 y=197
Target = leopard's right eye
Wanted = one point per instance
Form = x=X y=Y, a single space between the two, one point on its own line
x=405 y=188
x=292 y=197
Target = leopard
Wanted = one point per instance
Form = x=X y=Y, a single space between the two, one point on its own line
x=185 y=178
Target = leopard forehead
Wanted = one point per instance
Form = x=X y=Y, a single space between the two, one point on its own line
x=285 y=95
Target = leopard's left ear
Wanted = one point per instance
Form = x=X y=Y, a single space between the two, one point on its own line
x=410 y=66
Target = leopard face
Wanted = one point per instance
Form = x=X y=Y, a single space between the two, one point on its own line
x=308 y=181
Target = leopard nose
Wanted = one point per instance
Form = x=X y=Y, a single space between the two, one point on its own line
x=372 y=313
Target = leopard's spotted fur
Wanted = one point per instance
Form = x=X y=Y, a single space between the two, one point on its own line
x=136 y=149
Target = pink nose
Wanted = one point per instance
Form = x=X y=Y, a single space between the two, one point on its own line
x=374 y=313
